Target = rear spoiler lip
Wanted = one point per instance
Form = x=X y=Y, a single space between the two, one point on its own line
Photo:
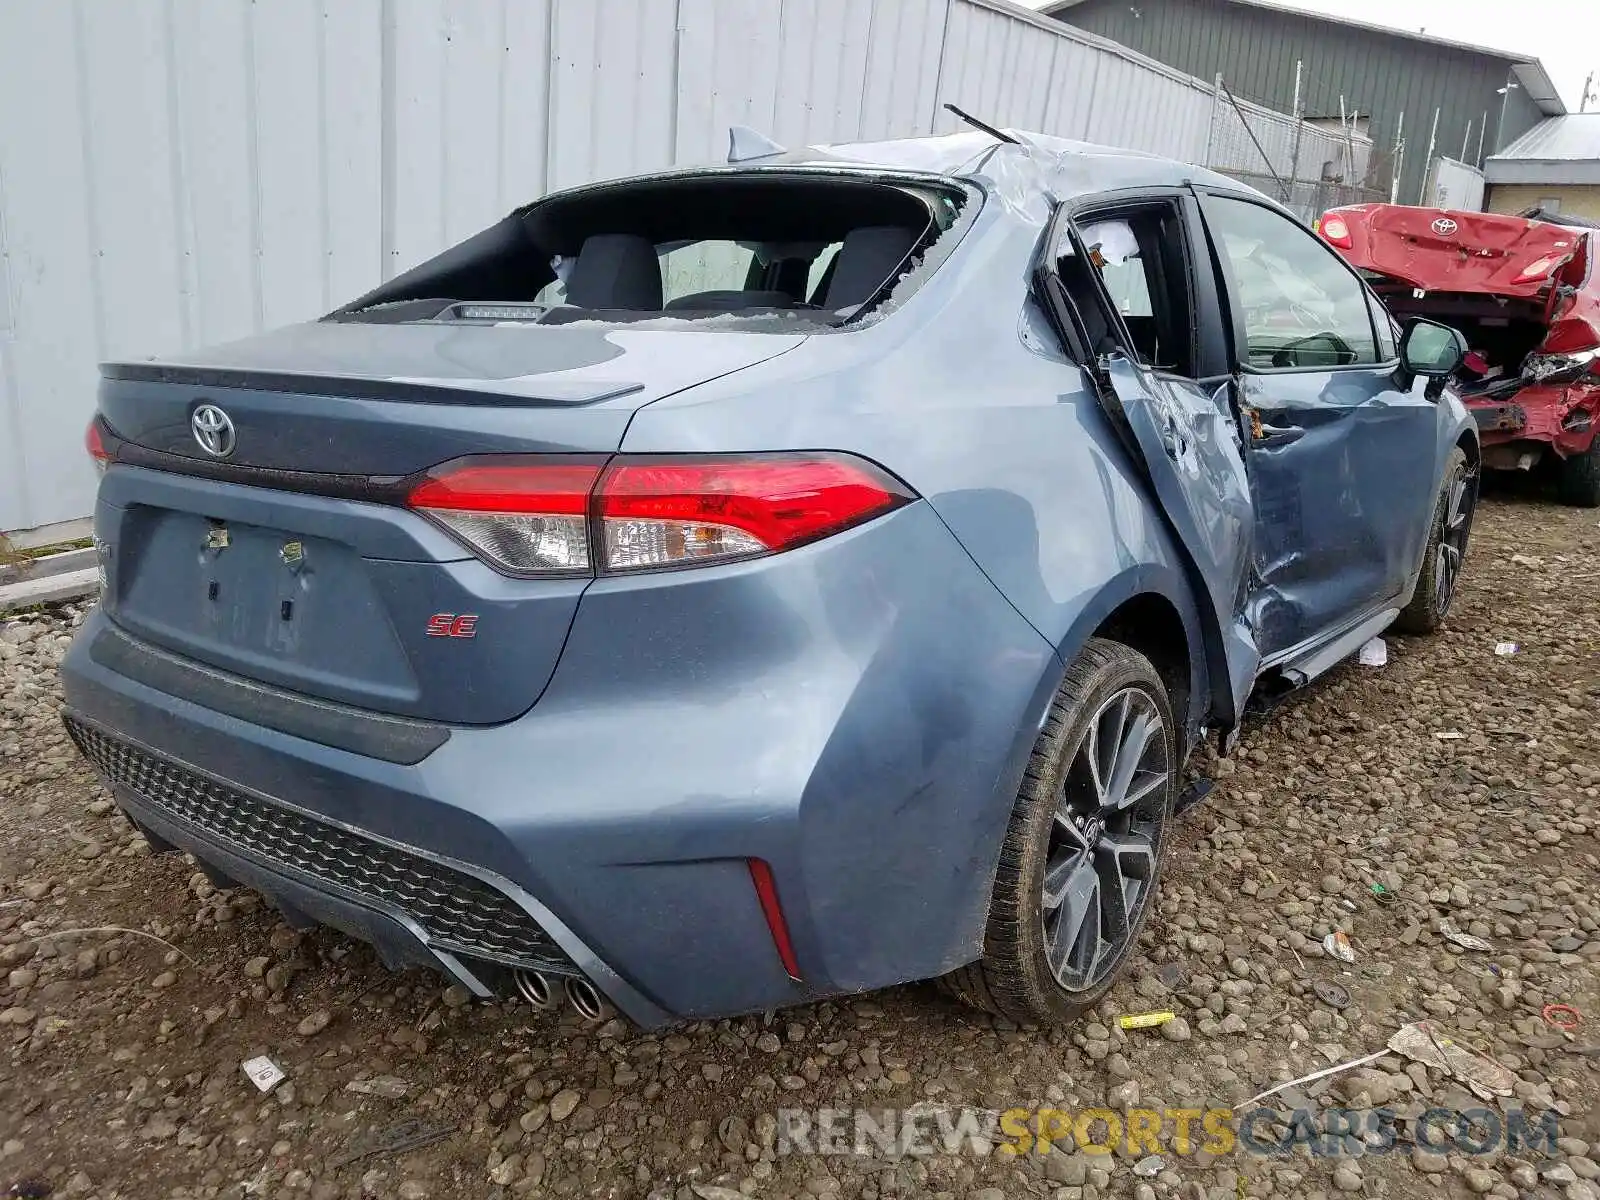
x=366 y=387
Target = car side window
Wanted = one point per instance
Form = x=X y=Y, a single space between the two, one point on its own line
x=1115 y=252
x=1136 y=268
x=1301 y=306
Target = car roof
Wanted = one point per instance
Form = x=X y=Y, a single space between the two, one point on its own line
x=1035 y=165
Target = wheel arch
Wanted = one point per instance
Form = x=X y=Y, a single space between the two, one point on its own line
x=1467 y=443
x=1149 y=609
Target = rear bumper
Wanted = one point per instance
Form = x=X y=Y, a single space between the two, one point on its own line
x=400 y=942
x=1565 y=418
x=855 y=713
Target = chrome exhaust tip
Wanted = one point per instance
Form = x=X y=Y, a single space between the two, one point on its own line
x=586 y=998
x=535 y=987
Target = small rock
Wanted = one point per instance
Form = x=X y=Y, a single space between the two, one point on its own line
x=1126 y=1095
x=390 y=1087
x=562 y=1105
x=1149 y=1166
x=1070 y=1170
x=1176 y=1030
x=1480 y=1180
x=1346 y=1178
x=1428 y=1162
x=314 y=1023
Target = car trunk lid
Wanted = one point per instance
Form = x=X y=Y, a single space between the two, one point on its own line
x=289 y=560
x=1445 y=250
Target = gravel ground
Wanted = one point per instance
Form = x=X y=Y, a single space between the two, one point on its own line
x=1465 y=782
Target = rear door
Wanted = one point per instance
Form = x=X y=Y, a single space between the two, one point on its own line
x=1147 y=322
x=1341 y=460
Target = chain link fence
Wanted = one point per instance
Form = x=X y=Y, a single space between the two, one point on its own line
x=1308 y=164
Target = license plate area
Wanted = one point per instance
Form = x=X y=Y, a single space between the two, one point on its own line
x=273 y=604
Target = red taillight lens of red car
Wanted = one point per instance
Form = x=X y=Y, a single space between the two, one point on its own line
x=531 y=516
x=1335 y=231
x=1540 y=268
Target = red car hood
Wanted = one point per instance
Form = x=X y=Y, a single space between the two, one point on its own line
x=1444 y=250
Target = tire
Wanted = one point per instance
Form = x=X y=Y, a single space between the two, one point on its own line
x=1446 y=554
x=1060 y=824
x=1578 y=478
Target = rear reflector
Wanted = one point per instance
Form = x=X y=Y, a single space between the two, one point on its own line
x=527 y=515
x=767 y=894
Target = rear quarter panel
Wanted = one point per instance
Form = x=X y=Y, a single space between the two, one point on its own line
x=964 y=395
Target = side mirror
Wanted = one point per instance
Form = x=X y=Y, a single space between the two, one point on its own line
x=1430 y=349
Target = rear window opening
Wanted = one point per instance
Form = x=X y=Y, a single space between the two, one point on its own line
x=755 y=248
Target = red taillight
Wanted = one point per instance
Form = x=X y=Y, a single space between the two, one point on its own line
x=529 y=516
x=665 y=512
x=1539 y=268
x=95 y=444
x=1336 y=232
x=767 y=894
x=509 y=487
x=523 y=516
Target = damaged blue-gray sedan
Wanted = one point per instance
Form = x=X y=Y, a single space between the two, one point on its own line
x=718 y=590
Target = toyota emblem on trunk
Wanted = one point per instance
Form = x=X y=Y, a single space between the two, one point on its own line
x=1444 y=226
x=213 y=429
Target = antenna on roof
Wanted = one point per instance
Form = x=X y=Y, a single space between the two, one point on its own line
x=998 y=134
x=745 y=143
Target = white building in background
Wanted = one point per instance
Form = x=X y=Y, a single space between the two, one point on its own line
x=180 y=172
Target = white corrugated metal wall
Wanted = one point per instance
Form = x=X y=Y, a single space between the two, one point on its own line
x=178 y=172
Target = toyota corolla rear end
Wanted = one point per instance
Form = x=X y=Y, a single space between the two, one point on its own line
x=397 y=631
x=1525 y=294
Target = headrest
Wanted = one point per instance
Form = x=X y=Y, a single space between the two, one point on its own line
x=867 y=257
x=616 y=270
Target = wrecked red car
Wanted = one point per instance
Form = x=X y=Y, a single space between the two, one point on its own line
x=1526 y=295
